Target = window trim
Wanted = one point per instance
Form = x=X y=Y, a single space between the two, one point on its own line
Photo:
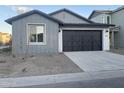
x=44 y=36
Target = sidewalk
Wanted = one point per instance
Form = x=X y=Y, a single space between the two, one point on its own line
x=59 y=78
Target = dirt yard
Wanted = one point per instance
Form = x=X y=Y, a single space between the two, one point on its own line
x=35 y=65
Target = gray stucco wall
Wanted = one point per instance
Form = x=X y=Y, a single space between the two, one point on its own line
x=118 y=20
x=68 y=18
x=102 y=18
x=98 y=19
x=19 y=32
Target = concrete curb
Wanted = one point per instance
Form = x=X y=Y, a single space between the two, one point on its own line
x=59 y=78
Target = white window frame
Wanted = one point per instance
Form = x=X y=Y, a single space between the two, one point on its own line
x=103 y=19
x=44 y=34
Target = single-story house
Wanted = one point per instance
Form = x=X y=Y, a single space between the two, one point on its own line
x=112 y=17
x=36 y=32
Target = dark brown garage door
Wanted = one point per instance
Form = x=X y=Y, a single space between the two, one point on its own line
x=82 y=40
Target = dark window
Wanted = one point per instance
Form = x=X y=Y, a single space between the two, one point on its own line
x=33 y=37
x=40 y=37
x=108 y=20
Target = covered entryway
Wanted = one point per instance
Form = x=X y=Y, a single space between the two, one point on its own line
x=113 y=30
x=82 y=40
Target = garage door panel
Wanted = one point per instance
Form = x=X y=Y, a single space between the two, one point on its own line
x=82 y=40
x=96 y=45
x=87 y=47
x=67 y=38
x=67 y=48
x=76 y=43
x=76 y=48
x=76 y=38
x=97 y=41
x=68 y=43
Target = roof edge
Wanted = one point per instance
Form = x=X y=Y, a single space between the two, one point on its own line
x=91 y=14
x=94 y=24
x=9 y=21
x=71 y=12
x=118 y=9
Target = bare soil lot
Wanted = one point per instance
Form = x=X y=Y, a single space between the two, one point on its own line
x=36 y=65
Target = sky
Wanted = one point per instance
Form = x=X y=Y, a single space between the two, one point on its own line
x=10 y=11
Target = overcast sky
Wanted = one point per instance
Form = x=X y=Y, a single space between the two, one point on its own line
x=10 y=11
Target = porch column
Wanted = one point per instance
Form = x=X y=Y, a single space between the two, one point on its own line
x=60 y=41
x=112 y=39
x=105 y=40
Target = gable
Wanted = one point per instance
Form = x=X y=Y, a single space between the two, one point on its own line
x=99 y=12
x=94 y=14
x=99 y=18
x=18 y=17
x=67 y=16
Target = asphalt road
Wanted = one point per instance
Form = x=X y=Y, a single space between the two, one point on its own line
x=100 y=83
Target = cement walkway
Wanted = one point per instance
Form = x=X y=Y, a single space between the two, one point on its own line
x=98 y=83
x=97 y=60
x=60 y=78
x=52 y=79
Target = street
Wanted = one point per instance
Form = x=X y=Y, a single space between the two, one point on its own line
x=100 y=83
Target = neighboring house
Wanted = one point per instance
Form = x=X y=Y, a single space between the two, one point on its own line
x=112 y=17
x=36 y=32
x=101 y=16
x=5 y=38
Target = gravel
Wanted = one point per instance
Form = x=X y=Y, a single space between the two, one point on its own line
x=36 y=65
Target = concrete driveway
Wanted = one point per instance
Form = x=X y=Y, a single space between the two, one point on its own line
x=97 y=60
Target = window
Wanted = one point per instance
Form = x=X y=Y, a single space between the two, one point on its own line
x=36 y=33
x=108 y=20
